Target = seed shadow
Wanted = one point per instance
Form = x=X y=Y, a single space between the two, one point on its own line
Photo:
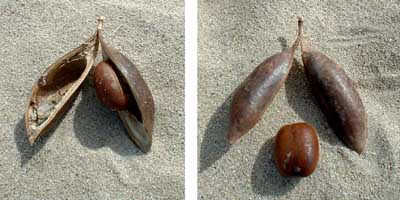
x=215 y=144
x=25 y=149
x=303 y=103
x=265 y=178
x=96 y=126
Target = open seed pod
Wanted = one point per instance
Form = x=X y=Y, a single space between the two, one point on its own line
x=58 y=86
x=120 y=87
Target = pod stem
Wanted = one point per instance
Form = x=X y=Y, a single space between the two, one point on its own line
x=100 y=23
x=299 y=33
x=303 y=42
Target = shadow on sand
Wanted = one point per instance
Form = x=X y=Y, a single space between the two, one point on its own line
x=25 y=149
x=96 y=126
x=215 y=144
x=265 y=178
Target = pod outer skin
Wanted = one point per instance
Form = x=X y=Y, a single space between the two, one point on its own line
x=296 y=150
x=338 y=99
x=256 y=92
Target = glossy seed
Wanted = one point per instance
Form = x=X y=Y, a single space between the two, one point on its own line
x=296 y=150
x=108 y=87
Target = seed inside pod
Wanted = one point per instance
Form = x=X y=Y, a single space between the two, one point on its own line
x=131 y=95
x=109 y=87
x=296 y=150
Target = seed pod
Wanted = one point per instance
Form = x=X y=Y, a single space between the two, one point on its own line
x=58 y=86
x=296 y=150
x=337 y=97
x=257 y=91
x=138 y=118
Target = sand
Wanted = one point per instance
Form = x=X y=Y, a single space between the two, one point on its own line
x=235 y=37
x=89 y=155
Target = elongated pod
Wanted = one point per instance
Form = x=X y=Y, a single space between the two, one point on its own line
x=56 y=89
x=337 y=97
x=138 y=117
x=257 y=91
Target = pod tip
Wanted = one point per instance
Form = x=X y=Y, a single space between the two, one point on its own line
x=232 y=140
x=145 y=149
x=32 y=139
x=233 y=136
x=358 y=146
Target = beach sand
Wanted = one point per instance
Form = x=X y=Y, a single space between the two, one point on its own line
x=89 y=155
x=235 y=37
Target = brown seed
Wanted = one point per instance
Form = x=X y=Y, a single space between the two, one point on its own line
x=108 y=87
x=254 y=95
x=337 y=97
x=296 y=150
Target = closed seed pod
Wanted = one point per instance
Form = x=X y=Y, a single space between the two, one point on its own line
x=138 y=117
x=337 y=97
x=254 y=95
x=296 y=150
x=58 y=86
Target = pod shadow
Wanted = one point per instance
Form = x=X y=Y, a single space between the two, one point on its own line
x=265 y=178
x=215 y=144
x=27 y=150
x=96 y=126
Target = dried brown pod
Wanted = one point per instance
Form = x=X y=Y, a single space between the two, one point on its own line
x=58 y=86
x=296 y=150
x=257 y=91
x=138 y=117
x=337 y=97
